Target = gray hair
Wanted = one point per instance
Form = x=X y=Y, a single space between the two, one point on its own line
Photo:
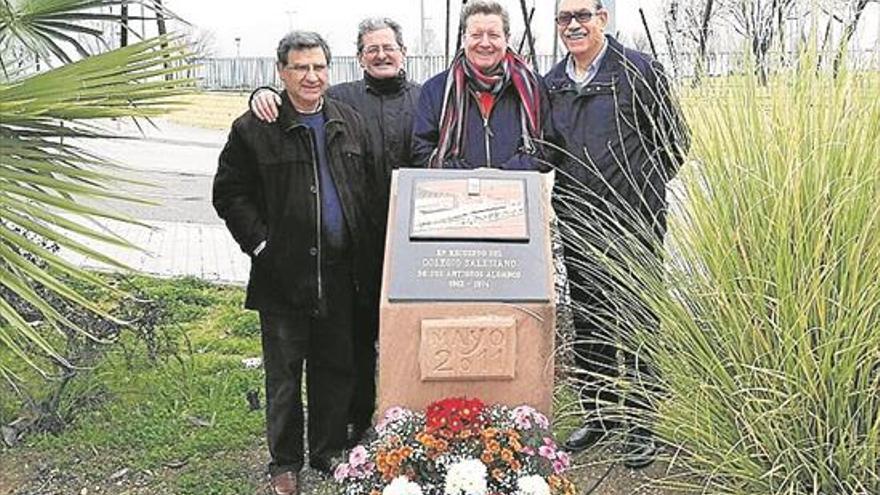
x=485 y=7
x=597 y=4
x=301 y=40
x=371 y=24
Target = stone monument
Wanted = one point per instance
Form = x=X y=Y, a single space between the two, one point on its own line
x=467 y=303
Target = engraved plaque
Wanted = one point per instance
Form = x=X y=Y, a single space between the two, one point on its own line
x=469 y=209
x=469 y=235
x=477 y=348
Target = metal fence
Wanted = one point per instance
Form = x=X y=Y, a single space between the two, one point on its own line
x=246 y=73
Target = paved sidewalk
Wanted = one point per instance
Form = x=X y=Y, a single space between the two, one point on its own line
x=170 y=249
x=184 y=237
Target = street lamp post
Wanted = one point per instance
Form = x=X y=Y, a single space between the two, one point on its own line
x=236 y=76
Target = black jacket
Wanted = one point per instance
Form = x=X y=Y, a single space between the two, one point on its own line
x=266 y=188
x=388 y=108
x=625 y=137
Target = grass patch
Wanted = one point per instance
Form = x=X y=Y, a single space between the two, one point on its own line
x=174 y=420
x=209 y=110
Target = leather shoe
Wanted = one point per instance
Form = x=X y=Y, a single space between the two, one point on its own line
x=639 y=449
x=584 y=437
x=286 y=483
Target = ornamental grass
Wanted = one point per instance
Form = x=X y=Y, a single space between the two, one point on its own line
x=766 y=362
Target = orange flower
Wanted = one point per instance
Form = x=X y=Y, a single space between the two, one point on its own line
x=489 y=433
x=493 y=446
x=507 y=455
x=442 y=445
x=515 y=465
x=487 y=457
x=497 y=474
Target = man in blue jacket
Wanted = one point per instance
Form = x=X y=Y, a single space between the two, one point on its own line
x=489 y=109
x=624 y=140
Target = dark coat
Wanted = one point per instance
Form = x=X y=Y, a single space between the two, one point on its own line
x=504 y=130
x=625 y=134
x=266 y=188
x=388 y=117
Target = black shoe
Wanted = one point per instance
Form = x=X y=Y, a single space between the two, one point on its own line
x=584 y=437
x=639 y=449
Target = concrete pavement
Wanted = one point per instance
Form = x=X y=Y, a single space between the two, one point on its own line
x=182 y=236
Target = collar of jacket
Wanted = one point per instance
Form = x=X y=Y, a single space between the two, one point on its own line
x=289 y=119
x=385 y=86
x=557 y=79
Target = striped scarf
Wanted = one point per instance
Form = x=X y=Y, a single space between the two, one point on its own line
x=462 y=78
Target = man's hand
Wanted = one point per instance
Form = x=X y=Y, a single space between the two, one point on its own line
x=265 y=105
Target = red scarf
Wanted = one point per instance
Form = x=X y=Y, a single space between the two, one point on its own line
x=463 y=77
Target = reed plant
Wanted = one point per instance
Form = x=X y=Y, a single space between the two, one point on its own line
x=766 y=359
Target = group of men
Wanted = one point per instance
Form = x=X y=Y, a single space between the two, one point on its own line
x=303 y=185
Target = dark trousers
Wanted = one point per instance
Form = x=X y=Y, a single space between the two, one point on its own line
x=323 y=340
x=366 y=332
x=604 y=316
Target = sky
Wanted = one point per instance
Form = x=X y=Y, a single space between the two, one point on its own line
x=259 y=24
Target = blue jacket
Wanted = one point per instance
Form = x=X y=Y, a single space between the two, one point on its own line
x=624 y=137
x=503 y=130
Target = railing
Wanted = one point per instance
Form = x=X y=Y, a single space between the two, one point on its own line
x=246 y=73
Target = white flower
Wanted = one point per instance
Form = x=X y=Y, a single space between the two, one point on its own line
x=402 y=486
x=532 y=485
x=467 y=477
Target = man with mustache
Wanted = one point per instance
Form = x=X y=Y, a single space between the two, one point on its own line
x=386 y=100
x=299 y=196
x=489 y=109
x=625 y=140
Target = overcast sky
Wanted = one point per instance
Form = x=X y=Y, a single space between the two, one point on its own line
x=261 y=23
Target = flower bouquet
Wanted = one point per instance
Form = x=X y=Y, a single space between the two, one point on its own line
x=458 y=446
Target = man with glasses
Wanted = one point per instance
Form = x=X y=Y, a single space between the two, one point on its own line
x=386 y=100
x=299 y=196
x=625 y=140
x=489 y=109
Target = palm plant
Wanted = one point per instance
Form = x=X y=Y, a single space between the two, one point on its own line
x=44 y=174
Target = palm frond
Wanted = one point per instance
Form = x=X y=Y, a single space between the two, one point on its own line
x=45 y=178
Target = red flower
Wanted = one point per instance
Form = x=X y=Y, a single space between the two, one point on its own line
x=449 y=417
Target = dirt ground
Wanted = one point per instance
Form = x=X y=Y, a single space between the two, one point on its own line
x=22 y=474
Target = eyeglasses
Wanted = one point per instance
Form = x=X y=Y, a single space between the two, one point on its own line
x=302 y=70
x=582 y=16
x=374 y=50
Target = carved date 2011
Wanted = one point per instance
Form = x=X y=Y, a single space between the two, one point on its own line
x=476 y=348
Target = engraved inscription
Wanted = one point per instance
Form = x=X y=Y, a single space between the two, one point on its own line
x=478 y=348
x=476 y=269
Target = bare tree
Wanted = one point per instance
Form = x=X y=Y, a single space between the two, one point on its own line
x=851 y=24
x=759 y=21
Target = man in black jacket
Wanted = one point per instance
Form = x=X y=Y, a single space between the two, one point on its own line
x=387 y=101
x=299 y=196
x=625 y=141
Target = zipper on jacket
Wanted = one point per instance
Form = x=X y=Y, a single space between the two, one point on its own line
x=318 y=215
x=487 y=132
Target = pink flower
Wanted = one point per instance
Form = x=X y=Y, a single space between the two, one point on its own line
x=342 y=471
x=528 y=451
x=564 y=458
x=559 y=467
x=357 y=456
x=522 y=422
x=541 y=420
x=547 y=451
